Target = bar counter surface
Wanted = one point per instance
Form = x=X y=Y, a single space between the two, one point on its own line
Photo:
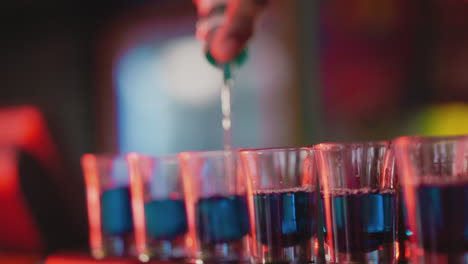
x=82 y=258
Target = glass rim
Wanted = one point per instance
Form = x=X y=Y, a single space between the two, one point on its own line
x=168 y=158
x=404 y=141
x=105 y=155
x=98 y=158
x=207 y=153
x=337 y=146
x=262 y=151
x=123 y=157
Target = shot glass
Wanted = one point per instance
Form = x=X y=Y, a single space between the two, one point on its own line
x=215 y=196
x=282 y=203
x=109 y=206
x=359 y=202
x=434 y=179
x=158 y=207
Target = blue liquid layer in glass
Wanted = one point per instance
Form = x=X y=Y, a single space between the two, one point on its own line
x=362 y=221
x=404 y=232
x=222 y=219
x=285 y=219
x=116 y=211
x=443 y=215
x=166 y=219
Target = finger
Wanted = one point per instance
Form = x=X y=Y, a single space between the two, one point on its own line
x=229 y=40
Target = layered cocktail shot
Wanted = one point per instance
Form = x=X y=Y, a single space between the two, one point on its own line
x=283 y=204
x=216 y=205
x=359 y=202
x=158 y=207
x=109 y=205
x=434 y=176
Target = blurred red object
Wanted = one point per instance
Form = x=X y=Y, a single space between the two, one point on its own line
x=22 y=132
x=19 y=258
x=18 y=229
x=364 y=55
x=25 y=127
x=76 y=258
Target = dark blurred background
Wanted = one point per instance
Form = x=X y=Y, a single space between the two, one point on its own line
x=128 y=75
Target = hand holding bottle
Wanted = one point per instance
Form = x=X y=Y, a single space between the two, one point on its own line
x=226 y=25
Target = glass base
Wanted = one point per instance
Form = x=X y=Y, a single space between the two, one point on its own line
x=384 y=255
x=165 y=250
x=303 y=253
x=422 y=256
x=115 y=246
x=232 y=252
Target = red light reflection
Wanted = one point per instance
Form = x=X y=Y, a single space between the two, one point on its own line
x=250 y=200
x=188 y=172
x=93 y=193
x=136 y=179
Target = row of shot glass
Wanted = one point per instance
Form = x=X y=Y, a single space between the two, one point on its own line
x=368 y=202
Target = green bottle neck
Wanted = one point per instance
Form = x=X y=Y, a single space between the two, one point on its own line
x=238 y=61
